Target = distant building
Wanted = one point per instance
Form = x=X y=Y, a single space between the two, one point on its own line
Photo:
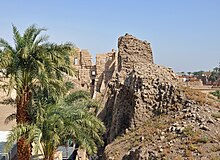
x=190 y=80
x=93 y=77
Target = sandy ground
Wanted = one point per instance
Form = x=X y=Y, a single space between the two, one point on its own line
x=5 y=110
x=206 y=89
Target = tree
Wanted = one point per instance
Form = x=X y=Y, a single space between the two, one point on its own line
x=58 y=122
x=32 y=62
x=198 y=73
x=189 y=73
x=215 y=74
x=183 y=73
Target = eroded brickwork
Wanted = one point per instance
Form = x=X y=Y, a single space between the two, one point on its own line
x=140 y=88
x=93 y=77
x=133 y=52
x=82 y=62
x=105 y=66
x=147 y=110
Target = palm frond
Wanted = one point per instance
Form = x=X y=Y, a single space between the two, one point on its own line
x=17 y=37
x=40 y=40
x=7 y=47
x=37 y=67
x=16 y=133
x=10 y=118
x=77 y=95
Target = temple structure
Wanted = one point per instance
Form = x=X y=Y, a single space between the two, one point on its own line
x=93 y=77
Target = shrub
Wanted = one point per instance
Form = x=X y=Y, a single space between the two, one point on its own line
x=216 y=94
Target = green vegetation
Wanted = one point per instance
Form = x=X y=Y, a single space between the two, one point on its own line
x=198 y=73
x=203 y=140
x=215 y=75
x=55 y=124
x=69 y=85
x=45 y=115
x=216 y=93
x=32 y=63
x=216 y=115
x=193 y=147
x=188 y=131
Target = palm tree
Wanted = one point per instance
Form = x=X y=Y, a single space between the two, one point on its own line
x=32 y=62
x=82 y=98
x=57 y=122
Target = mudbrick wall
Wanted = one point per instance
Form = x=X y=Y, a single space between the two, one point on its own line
x=140 y=89
x=148 y=115
x=93 y=77
x=105 y=67
x=133 y=52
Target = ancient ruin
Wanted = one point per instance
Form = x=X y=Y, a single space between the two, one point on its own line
x=93 y=77
x=148 y=112
x=138 y=96
x=140 y=89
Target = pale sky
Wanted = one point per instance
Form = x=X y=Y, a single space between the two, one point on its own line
x=184 y=34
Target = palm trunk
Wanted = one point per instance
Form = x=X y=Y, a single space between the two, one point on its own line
x=51 y=157
x=23 y=149
x=22 y=107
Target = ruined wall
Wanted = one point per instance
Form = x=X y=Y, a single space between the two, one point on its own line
x=85 y=59
x=133 y=52
x=195 y=83
x=155 y=116
x=96 y=77
x=105 y=67
x=140 y=90
x=93 y=78
x=82 y=62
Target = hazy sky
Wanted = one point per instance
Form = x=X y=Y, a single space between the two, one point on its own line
x=184 y=34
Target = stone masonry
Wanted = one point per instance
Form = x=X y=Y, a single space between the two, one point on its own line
x=147 y=112
x=146 y=107
x=82 y=62
x=140 y=88
x=93 y=77
x=133 y=52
